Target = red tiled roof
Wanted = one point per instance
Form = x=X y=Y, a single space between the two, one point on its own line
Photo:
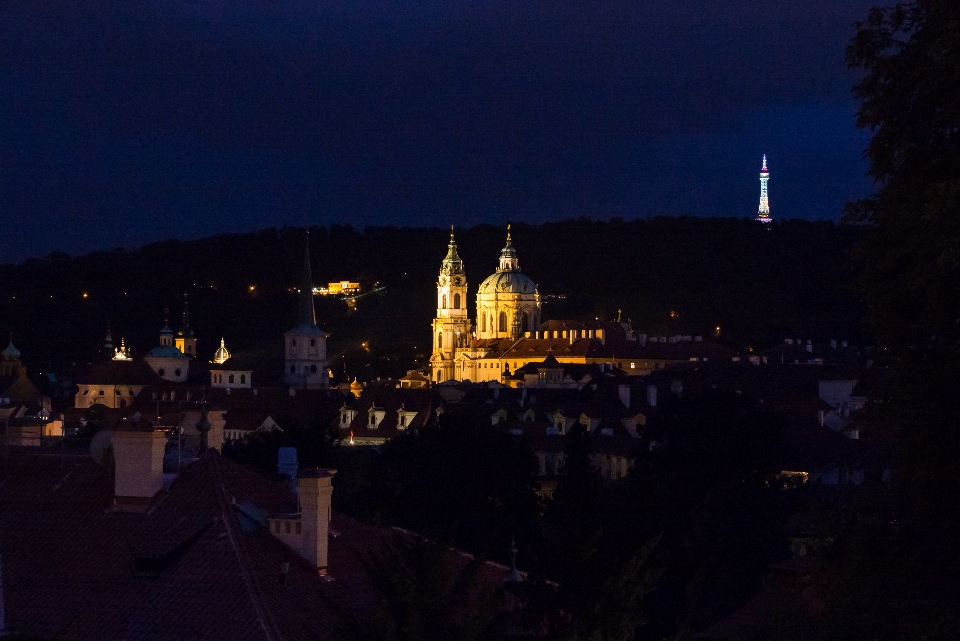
x=198 y=565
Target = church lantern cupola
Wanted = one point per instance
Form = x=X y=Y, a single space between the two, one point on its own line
x=508 y=302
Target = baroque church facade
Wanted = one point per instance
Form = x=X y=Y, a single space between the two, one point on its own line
x=508 y=309
x=508 y=335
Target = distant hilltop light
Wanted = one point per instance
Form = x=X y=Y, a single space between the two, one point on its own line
x=763 y=214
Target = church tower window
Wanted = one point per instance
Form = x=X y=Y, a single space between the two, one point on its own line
x=440 y=341
x=483 y=323
x=444 y=305
x=456 y=301
x=503 y=322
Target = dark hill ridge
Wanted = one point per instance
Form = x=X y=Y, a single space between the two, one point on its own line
x=759 y=284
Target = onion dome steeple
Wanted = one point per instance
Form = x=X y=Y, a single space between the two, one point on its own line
x=452 y=263
x=10 y=353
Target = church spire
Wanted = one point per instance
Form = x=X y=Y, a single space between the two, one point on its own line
x=185 y=330
x=306 y=314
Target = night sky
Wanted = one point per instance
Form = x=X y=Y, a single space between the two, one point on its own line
x=124 y=122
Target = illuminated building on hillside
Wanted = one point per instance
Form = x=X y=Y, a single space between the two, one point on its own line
x=763 y=214
x=508 y=332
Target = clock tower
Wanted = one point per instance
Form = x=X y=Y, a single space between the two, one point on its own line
x=451 y=327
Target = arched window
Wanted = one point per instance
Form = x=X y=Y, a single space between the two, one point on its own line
x=444 y=305
x=456 y=301
x=440 y=340
x=243 y=378
x=483 y=323
x=230 y=378
x=525 y=323
x=503 y=321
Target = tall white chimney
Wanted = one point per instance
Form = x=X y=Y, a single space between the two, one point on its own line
x=138 y=456
x=316 y=494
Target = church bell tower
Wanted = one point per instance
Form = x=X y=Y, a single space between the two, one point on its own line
x=305 y=358
x=451 y=326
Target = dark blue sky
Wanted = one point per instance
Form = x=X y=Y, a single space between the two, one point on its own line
x=125 y=121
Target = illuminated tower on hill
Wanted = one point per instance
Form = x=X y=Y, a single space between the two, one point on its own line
x=763 y=215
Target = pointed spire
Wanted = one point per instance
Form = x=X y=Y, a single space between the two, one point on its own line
x=764 y=168
x=185 y=329
x=203 y=424
x=306 y=315
x=514 y=576
x=108 y=343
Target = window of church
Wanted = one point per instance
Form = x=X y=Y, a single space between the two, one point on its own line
x=444 y=305
x=483 y=322
x=440 y=341
x=456 y=301
x=503 y=321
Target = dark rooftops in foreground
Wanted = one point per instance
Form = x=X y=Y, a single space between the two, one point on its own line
x=200 y=563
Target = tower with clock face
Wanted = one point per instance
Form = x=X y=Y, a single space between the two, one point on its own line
x=451 y=327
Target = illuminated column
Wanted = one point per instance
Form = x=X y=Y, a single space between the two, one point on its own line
x=763 y=215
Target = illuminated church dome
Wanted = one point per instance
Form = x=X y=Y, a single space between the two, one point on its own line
x=508 y=302
x=221 y=355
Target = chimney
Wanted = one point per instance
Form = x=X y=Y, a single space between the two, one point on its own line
x=843 y=344
x=315 y=493
x=624 y=391
x=809 y=347
x=833 y=344
x=652 y=395
x=139 y=467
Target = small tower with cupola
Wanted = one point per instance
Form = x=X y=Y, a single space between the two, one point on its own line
x=451 y=326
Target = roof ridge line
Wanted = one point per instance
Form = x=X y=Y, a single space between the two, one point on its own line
x=256 y=598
